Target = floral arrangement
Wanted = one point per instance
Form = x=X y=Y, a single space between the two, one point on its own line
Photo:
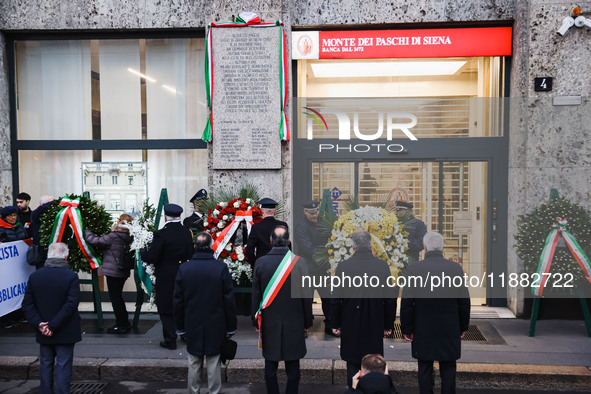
x=94 y=217
x=142 y=230
x=222 y=216
x=388 y=238
x=534 y=227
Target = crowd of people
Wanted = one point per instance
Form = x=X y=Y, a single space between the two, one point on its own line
x=195 y=298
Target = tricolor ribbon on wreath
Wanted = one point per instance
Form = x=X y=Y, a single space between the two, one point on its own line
x=224 y=237
x=559 y=230
x=70 y=213
x=279 y=277
x=251 y=20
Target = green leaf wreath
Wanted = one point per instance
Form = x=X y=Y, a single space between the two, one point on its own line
x=94 y=217
x=533 y=229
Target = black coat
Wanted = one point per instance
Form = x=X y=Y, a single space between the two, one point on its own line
x=361 y=316
x=259 y=239
x=114 y=244
x=36 y=227
x=435 y=318
x=172 y=245
x=11 y=233
x=284 y=321
x=204 y=303
x=308 y=240
x=374 y=383
x=416 y=231
x=194 y=222
x=52 y=295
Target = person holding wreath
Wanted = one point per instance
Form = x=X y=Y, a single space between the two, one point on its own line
x=116 y=267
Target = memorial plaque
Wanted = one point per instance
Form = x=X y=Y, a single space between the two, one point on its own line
x=246 y=99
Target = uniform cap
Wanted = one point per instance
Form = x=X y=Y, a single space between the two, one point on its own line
x=200 y=195
x=172 y=210
x=268 y=203
x=404 y=204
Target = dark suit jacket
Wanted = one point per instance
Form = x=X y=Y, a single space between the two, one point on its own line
x=259 y=239
x=308 y=240
x=52 y=295
x=194 y=222
x=204 y=303
x=284 y=321
x=358 y=312
x=172 y=245
x=435 y=318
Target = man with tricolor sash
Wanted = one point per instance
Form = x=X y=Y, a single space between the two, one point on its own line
x=259 y=237
x=281 y=319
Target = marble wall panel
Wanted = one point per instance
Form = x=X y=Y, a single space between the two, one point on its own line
x=387 y=11
x=565 y=58
x=320 y=12
x=479 y=10
x=5 y=158
x=6 y=188
x=174 y=13
x=224 y=11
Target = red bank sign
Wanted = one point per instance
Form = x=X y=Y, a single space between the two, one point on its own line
x=375 y=44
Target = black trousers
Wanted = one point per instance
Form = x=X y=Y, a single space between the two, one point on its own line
x=292 y=370
x=116 y=296
x=168 y=327
x=352 y=369
x=447 y=372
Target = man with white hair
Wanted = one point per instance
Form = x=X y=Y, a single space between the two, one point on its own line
x=51 y=306
x=435 y=318
x=172 y=245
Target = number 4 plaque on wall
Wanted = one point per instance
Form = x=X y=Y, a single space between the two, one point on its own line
x=543 y=84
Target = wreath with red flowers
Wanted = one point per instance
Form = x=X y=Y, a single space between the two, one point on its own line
x=222 y=216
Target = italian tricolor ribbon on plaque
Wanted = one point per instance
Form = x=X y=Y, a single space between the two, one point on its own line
x=71 y=214
x=224 y=237
x=247 y=19
x=279 y=277
x=559 y=230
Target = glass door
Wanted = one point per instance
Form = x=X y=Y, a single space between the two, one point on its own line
x=448 y=196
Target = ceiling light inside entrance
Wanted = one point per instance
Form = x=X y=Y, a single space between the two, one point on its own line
x=385 y=69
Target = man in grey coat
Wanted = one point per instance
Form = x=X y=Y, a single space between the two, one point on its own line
x=204 y=309
x=285 y=321
x=435 y=319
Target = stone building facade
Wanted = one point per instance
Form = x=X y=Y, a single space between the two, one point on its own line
x=549 y=143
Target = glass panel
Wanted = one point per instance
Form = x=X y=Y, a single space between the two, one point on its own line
x=53 y=90
x=339 y=178
x=451 y=97
x=386 y=118
x=182 y=172
x=110 y=89
x=464 y=218
x=120 y=100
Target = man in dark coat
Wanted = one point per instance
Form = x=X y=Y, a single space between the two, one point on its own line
x=309 y=240
x=435 y=318
x=172 y=245
x=195 y=221
x=285 y=321
x=51 y=306
x=259 y=243
x=204 y=309
x=362 y=315
x=415 y=228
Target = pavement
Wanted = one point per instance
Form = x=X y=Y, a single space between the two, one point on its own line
x=504 y=357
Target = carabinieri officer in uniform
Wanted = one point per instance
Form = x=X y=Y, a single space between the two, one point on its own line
x=259 y=239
